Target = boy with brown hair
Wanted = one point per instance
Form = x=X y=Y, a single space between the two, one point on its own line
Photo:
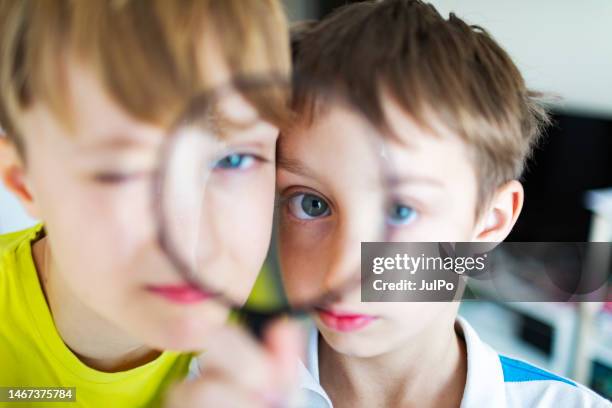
x=88 y=90
x=460 y=124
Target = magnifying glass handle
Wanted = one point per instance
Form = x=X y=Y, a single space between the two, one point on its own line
x=257 y=321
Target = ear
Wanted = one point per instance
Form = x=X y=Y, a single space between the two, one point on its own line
x=13 y=175
x=501 y=214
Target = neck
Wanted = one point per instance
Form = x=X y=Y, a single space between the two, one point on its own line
x=402 y=377
x=94 y=340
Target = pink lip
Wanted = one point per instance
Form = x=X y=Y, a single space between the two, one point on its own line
x=180 y=293
x=344 y=322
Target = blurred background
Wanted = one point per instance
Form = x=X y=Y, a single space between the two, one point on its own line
x=563 y=47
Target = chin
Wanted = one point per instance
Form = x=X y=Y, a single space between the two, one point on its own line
x=183 y=336
x=353 y=344
x=183 y=333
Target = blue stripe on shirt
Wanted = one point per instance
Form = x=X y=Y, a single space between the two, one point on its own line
x=517 y=371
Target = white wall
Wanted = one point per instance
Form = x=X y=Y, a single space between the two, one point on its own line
x=561 y=46
x=12 y=215
x=301 y=9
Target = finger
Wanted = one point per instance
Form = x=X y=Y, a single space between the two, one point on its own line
x=285 y=343
x=234 y=353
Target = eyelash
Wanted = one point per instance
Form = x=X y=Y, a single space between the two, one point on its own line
x=117 y=178
x=256 y=159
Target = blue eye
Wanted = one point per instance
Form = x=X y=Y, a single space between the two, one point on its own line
x=401 y=215
x=308 y=206
x=235 y=161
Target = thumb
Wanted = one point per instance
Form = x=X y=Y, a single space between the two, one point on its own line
x=284 y=341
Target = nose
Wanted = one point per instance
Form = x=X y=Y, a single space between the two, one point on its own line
x=344 y=262
x=194 y=231
x=209 y=240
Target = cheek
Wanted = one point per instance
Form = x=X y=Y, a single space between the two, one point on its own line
x=99 y=253
x=95 y=233
x=302 y=239
x=304 y=255
x=452 y=220
x=247 y=230
x=244 y=216
x=115 y=222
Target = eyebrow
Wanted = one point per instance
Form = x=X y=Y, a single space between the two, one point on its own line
x=293 y=166
x=398 y=180
x=297 y=167
x=116 y=142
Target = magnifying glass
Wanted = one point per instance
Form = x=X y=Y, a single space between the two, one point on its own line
x=189 y=186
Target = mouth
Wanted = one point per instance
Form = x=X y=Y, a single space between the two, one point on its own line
x=181 y=294
x=344 y=321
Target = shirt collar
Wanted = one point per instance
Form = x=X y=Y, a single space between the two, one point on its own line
x=484 y=386
x=314 y=395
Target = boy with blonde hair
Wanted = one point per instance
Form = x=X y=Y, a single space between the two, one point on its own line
x=88 y=90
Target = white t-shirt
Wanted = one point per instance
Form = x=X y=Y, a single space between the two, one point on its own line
x=492 y=380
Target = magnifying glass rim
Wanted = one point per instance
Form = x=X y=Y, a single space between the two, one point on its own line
x=199 y=103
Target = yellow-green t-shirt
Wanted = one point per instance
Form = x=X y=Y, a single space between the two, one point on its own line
x=32 y=353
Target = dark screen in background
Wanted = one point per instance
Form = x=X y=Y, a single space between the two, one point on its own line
x=575 y=156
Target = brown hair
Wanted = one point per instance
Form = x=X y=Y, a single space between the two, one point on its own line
x=145 y=52
x=428 y=64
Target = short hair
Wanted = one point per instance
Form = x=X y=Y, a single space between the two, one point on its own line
x=145 y=52
x=427 y=64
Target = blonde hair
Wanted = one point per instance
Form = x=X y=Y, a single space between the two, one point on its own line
x=145 y=52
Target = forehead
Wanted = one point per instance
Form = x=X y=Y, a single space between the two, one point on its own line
x=431 y=149
x=92 y=112
x=341 y=137
x=334 y=133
